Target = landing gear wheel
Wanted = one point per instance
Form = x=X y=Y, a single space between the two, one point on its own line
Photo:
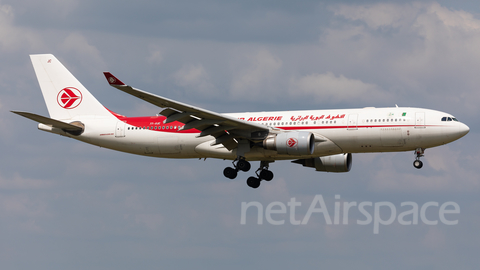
x=243 y=165
x=230 y=172
x=253 y=182
x=418 y=164
x=266 y=175
x=418 y=153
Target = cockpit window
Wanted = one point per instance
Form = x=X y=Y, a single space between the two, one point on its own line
x=449 y=119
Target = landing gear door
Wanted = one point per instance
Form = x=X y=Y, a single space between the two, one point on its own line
x=120 y=129
x=352 y=121
x=420 y=120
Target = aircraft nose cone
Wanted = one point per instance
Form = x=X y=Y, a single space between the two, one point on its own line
x=463 y=130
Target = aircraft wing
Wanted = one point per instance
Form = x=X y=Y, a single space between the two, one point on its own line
x=224 y=128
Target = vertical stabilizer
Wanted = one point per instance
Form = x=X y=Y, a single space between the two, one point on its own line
x=64 y=95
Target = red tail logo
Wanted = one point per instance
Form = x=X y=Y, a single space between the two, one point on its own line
x=69 y=98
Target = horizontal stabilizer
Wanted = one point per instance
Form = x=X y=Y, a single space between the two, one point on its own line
x=50 y=122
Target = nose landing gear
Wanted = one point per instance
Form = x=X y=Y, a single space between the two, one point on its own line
x=419 y=153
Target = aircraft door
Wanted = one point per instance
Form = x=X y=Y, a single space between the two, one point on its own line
x=120 y=129
x=420 y=120
x=352 y=122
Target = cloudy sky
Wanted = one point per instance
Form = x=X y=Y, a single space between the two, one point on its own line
x=68 y=205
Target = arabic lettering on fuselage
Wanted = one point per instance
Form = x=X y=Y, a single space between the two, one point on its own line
x=314 y=117
x=296 y=118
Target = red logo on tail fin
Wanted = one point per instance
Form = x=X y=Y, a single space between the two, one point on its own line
x=69 y=98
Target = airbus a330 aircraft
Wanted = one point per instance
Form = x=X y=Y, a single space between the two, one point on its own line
x=321 y=139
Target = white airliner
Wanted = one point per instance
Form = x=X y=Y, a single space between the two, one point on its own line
x=321 y=139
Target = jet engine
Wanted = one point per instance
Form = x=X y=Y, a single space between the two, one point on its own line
x=334 y=163
x=291 y=143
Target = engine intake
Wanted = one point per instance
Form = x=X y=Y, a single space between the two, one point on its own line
x=334 y=163
x=291 y=143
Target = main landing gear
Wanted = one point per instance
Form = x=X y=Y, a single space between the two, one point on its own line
x=419 y=153
x=242 y=165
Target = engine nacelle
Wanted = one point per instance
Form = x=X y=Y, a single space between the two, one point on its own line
x=334 y=163
x=291 y=143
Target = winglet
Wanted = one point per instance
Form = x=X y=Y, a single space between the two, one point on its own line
x=112 y=80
